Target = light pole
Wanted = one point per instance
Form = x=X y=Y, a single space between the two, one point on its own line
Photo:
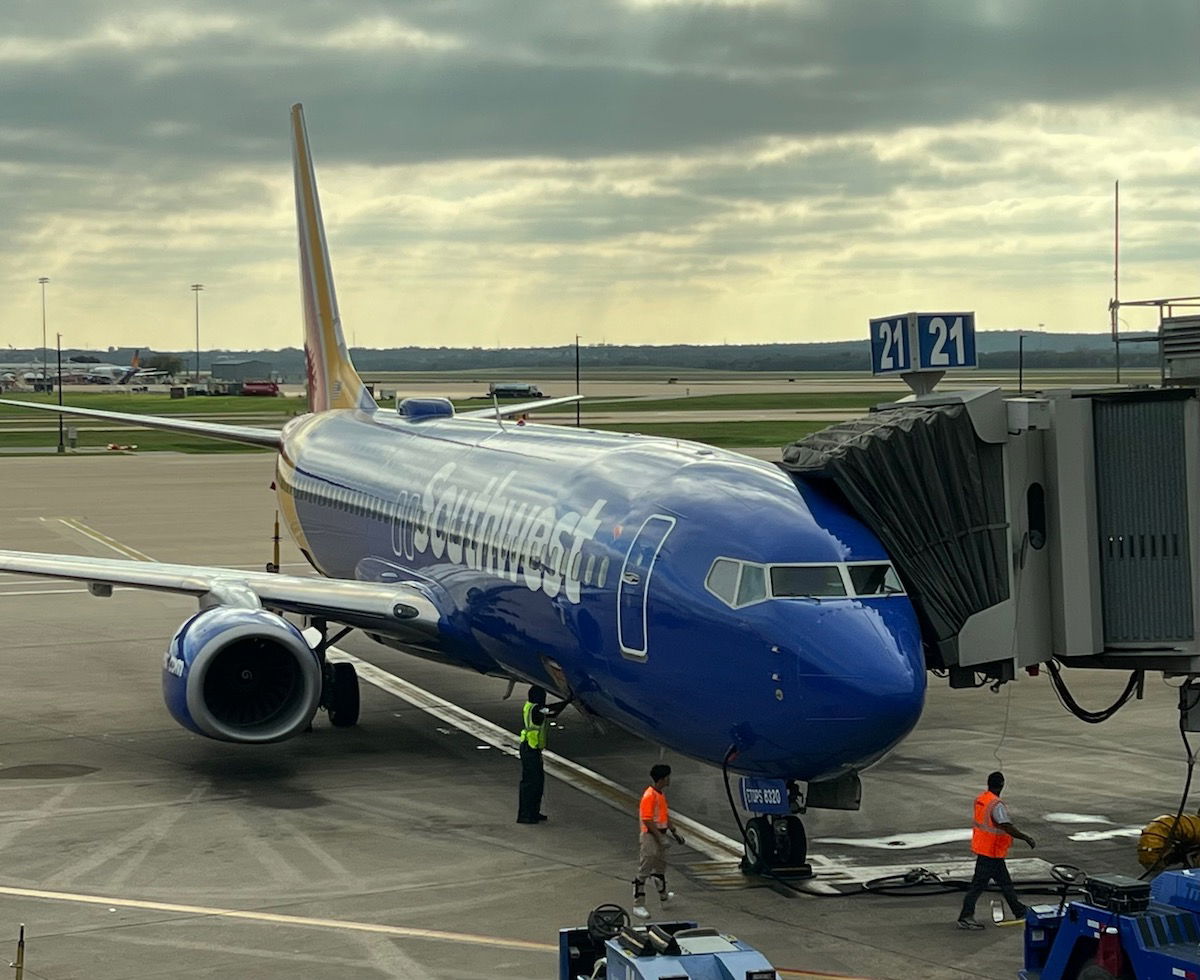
x=42 y=280
x=577 y=423
x=58 y=347
x=196 y=287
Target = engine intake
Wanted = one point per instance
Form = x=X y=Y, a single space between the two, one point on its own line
x=241 y=675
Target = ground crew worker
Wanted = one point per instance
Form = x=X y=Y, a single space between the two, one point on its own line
x=654 y=820
x=535 y=722
x=992 y=835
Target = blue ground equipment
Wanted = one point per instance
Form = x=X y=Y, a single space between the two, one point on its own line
x=609 y=948
x=1122 y=929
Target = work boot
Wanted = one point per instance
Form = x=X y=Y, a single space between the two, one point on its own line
x=969 y=923
x=666 y=897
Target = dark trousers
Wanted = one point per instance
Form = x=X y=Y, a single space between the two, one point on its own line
x=990 y=869
x=533 y=783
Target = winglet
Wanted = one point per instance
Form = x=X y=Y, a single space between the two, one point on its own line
x=332 y=380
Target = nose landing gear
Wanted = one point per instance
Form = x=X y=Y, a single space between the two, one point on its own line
x=776 y=845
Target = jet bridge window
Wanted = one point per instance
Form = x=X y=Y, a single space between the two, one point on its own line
x=806 y=581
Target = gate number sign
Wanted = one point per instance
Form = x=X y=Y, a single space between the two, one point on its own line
x=911 y=342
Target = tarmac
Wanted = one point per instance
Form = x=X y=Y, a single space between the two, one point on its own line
x=130 y=848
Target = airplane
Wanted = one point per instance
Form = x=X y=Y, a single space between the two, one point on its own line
x=77 y=372
x=704 y=600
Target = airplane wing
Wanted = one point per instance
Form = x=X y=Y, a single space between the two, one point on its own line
x=518 y=409
x=230 y=433
x=362 y=604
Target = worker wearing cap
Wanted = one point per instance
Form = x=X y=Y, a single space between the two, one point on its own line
x=991 y=838
x=535 y=723
x=654 y=820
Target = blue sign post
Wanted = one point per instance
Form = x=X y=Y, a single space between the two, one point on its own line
x=915 y=343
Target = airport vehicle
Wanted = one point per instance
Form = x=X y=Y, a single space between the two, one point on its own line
x=514 y=390
x=1122 y=929
x=707 y=601
x=269 y=388
x=609 y=948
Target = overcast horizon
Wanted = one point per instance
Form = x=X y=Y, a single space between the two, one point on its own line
x=634 y=171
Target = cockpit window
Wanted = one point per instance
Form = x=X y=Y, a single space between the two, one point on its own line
x=874 y=579
x=813 y=581
x=753 y=585
x=744 y=583
x=722 y=580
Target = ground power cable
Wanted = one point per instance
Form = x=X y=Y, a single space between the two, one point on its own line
x=1084 y=714
x=1189 y=698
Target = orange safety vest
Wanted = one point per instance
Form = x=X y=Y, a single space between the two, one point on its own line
x=653 y=809
x=987 y=838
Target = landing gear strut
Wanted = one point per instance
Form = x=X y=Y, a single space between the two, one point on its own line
x=339 y=693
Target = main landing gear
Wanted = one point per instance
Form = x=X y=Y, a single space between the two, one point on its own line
x=339 y=692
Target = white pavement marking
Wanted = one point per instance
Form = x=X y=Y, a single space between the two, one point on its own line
x=699 y=837
x=404 y=932
x=101 y=538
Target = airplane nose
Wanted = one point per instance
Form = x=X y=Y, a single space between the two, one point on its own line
x=861 y=681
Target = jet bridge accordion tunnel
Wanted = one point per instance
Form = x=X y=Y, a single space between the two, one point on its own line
x=1059 y=525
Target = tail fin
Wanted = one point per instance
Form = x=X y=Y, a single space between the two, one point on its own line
x=134 y=362
x=332 y=380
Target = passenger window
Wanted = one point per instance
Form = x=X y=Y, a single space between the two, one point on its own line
x=875 y=580
x=812 y=581
x=722 y=580
x=753 y=585
x=603 y=575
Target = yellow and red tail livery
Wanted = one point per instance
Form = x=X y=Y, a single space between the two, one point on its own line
x=332 y=380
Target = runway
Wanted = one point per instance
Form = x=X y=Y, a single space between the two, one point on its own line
x=133 y=849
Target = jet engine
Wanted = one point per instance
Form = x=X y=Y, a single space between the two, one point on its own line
x=241 y=675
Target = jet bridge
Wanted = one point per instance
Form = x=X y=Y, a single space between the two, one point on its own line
x=1059 y=525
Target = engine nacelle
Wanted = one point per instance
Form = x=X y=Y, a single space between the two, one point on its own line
x=241 y=675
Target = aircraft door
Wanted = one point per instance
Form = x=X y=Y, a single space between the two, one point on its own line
x=633 y=588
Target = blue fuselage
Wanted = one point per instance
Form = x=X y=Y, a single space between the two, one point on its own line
x=577 y=560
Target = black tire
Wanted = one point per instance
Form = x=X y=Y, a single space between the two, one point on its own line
x=344 y=705
x=759 y=845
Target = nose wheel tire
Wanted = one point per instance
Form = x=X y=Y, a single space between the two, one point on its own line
x=759 y=845
x=344 y=702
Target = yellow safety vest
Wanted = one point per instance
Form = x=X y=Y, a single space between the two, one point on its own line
x=533 y=735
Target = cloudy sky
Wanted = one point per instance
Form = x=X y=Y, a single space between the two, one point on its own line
x=635 y=171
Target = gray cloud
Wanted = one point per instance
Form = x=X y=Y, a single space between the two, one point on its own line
x=581 y=146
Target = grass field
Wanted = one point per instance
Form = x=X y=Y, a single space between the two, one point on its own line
x=150 y=403
x=779 y=400
x=275 y=411
x=743 y=435
x=146 y=440
x=725 y=434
